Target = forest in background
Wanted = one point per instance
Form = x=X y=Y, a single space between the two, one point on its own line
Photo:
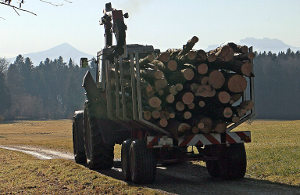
x=52 y=90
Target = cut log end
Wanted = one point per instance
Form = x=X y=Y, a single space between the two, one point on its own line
x=155 y=114
x=191 y=55
x=247 y=68
x=180 y=106
x=172 y=115
x=170 y=98
x=188 y=98
x=163 y=122
x=147 y=115
x=205 y=91
x=202 y=69
x=201 y=56
x=216 y=79
x=154 y=102
x=188 y=74
x=158 y=74
x=224 y=97
x=164 y=57
x=237 y=84
x=179 y=87
x=194 y=39
x=202 y=104
x=187 y=115
x=227 y=113
x=173 y=90
x=201 y=125
x=172 y=65
x=160 y=84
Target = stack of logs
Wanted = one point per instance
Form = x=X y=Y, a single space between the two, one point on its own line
x=192 y=91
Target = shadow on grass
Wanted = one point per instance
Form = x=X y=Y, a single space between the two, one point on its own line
x=188 y=178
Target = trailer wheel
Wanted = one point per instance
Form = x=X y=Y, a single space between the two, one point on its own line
x=99 y=155
x=125 y=160
x=78 y=143
x=142 y=163
x=231 y=163
x=213 y=168
x=234 y=162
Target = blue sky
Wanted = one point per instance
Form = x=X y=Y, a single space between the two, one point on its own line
x=162 y=23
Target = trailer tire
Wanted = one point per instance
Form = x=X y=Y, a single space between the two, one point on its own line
x=234 y=162
x=212 y=167
x=231 y=163
x=78 y=142
x=142 y=163
x=99 y=155
x=125 y=159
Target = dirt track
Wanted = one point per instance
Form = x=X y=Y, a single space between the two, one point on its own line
x=184 y=178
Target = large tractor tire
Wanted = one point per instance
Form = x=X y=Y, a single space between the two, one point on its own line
x=78 y=143
x=231 y=163
x=142 y=163
x=125 y=160
x=99 y=155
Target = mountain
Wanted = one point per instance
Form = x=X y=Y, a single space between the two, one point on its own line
x=267 y=44
x=264 y=44
x=65 y=50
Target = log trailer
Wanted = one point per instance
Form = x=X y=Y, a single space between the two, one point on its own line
x=107 y=120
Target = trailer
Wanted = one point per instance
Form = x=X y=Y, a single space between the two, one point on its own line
x=106 y=120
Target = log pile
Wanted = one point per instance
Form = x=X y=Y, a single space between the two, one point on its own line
x=188 y=91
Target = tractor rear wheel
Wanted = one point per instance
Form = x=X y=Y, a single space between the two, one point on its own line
x=78 y=143
x=125 y=159
x=231 y=163
x=142 y=163
x=99 y=155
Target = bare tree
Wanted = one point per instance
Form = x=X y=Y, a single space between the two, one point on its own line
x=16 y=5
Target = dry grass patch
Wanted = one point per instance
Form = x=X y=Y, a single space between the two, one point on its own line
x=273 y=155
x=56 y=134
x=20 y=173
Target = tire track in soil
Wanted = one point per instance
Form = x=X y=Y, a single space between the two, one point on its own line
x=184 y=178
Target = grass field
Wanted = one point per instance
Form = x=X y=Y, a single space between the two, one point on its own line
x=273 y=155
x=20 y=173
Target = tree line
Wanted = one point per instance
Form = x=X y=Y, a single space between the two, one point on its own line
x=277 y=85
x=52 y=90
